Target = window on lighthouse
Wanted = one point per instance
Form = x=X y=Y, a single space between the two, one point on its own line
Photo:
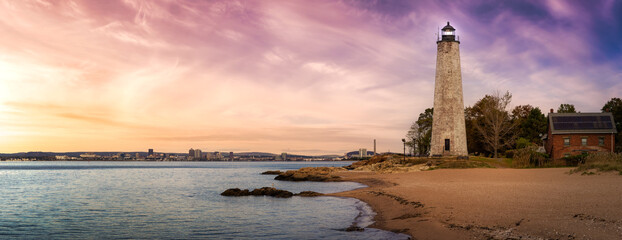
x=448 y=32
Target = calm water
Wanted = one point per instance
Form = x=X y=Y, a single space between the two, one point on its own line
x=181 y=200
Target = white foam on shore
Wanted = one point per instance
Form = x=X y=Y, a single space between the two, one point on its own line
x=365 y=218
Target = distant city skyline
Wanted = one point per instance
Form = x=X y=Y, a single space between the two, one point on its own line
x=301 y=77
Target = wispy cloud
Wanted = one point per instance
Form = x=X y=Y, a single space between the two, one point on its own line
x=273 y=75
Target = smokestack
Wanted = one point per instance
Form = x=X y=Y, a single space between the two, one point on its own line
x=374 y=147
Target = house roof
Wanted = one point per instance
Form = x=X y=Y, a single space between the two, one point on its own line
x=568 y=123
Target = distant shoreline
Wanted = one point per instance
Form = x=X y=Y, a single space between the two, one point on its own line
x=108 y=160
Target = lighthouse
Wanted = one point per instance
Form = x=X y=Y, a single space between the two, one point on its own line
x=448 y=130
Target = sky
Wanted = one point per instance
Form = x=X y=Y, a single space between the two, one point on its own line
x=304 y=77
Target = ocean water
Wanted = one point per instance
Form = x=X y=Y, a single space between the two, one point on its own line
x=166 y=200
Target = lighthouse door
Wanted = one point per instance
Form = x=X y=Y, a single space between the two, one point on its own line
x=446 y=144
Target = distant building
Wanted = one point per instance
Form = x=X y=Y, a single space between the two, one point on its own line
x=198 y=154
x=363 y=153
x=150 y=152
x=191 y=153
x=575 y=133
x=284 y=156
x=88 y=155
x=230 y=156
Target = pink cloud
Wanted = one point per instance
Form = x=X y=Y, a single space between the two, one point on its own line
x=273 y=75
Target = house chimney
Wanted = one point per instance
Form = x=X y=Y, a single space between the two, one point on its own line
x=551 y=110
x=606 y=109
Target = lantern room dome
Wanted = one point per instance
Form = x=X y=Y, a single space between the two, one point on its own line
x=448 y=28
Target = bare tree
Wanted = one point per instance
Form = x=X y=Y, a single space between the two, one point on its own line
x=496 y=127
x=411 y=138
x=420 y=133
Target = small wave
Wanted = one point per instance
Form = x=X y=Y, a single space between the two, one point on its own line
x=365 y=216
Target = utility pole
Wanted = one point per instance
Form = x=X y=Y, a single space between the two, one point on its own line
x=404 y=142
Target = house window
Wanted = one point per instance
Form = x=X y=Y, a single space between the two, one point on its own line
x=566 y=141
x=566 y=154
x=584 y=141
x=601 y=141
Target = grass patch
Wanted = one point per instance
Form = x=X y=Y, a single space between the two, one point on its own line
x=410 y=161
x=603 y=162
x=462 y=164
x=493 y=162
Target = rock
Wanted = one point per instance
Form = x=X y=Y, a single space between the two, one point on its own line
x=354 y=228
x=267 y=191
x=355 y=165
x=235 y=192
x=315 y=174
x=276 y=172
x=273 y=192
x=264 y=191
x=309 y=194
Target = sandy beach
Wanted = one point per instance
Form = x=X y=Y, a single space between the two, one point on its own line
x=493 y=203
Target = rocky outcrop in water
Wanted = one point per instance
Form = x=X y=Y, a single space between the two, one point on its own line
x=309 y=194
x=235 y=192
x=267 y=191
x=314 y=174
x=277 y=172
x=354 y=229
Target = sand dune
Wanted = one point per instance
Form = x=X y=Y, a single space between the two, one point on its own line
x=494 y=203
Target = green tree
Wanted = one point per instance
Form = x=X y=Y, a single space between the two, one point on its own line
x=531 y=123
x=615 y=107
x=566 y=108
x=496 y=127
x=534 y=126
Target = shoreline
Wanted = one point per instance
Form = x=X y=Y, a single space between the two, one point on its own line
x=492 y=203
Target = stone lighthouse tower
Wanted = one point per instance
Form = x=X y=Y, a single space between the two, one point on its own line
x=448 y=131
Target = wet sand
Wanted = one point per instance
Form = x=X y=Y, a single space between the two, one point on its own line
x=493 y=203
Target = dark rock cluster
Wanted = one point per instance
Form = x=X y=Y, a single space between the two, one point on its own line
x=354 y=229
x=309 y=194
x=277 y=172
x=264 y=191
x=267 y=191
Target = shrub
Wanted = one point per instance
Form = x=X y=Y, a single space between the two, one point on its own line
x=601 y=162
x=529 y=157
x=575 y=160
x=522 y=143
